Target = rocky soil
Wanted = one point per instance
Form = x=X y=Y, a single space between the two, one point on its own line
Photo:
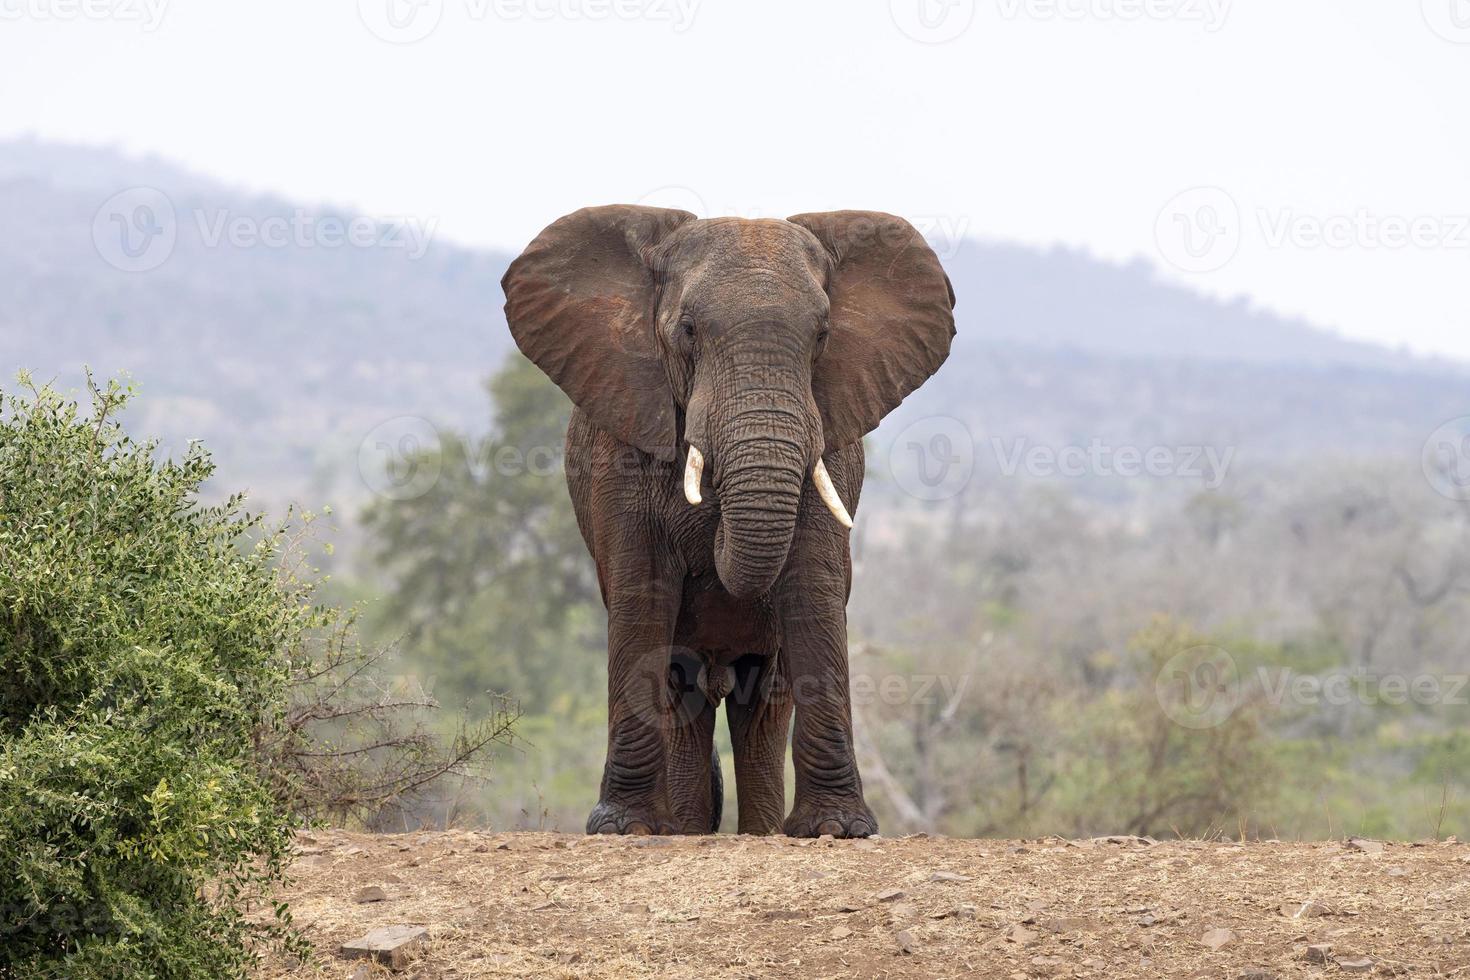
x=562 y=905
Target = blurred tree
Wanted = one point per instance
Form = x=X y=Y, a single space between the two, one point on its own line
x=489 y=587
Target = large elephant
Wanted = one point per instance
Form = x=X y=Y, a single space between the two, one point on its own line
x=724 y=372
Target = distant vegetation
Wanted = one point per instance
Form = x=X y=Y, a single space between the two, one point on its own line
x=1027 y=661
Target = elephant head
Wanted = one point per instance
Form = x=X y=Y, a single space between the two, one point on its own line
x=752 y=347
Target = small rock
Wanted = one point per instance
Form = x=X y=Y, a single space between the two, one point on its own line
x=1399 y=872
x=1020 y=935
x=503 y=846
x=1067 y=923
x=1365 y=845
x=1217 y=939
x=848 y=907
x=370 y=893
x=840 y=932
x=391 y=945
x=905 y=940
x=889 y=895
x=948 y=876
x=1307 y=910
x=958 y=912
x=1354 y=964
x=1318 y=953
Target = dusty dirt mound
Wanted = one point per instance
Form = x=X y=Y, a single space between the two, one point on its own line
x=562 y=905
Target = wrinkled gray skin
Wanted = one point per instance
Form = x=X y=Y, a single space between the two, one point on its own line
x=767 y=345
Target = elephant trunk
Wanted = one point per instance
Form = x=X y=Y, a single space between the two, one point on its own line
x=757 y=432
x=759 y=490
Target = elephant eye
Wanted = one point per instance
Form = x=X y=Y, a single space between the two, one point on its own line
x=822 y=335
x=686 y=323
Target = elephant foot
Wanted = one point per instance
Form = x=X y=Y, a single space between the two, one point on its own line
x=844 y=818
x=613 y=818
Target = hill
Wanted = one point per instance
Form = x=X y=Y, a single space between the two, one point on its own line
x=286 y=350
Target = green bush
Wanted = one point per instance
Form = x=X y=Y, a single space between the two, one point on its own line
x=141 y=659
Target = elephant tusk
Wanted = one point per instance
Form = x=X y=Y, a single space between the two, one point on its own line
x=693 y=472
x=829 y=494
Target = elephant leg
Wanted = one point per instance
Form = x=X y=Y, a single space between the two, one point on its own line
x=813 y=609
x=693 y=766
x=642 y=607
x=758 y=711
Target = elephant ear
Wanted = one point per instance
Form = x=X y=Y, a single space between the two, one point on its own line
x=580 y=304
x=891 y=324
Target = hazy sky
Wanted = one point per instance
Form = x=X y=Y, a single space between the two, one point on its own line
x=1313 y=155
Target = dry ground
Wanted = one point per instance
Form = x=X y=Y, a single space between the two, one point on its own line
x=563 y=905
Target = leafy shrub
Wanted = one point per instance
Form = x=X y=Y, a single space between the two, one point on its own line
x=141 y=651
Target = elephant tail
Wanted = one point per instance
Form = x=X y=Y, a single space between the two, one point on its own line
x=716 y=790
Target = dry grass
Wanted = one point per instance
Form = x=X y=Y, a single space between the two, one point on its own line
x=562 y=905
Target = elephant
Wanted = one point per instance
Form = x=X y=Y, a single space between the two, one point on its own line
x=723 y=372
